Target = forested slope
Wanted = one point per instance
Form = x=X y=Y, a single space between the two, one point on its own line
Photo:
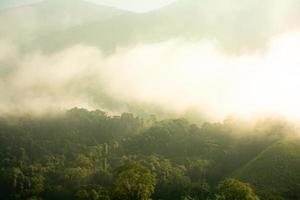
x=275 y=169
x=80 y=154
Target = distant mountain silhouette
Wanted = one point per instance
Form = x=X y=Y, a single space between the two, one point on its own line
x=30 y=21
x=234 y=25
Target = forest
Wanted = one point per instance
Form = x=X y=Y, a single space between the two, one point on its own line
x=149 y=100
x=80 y=154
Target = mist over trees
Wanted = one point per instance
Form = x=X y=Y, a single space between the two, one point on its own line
x=171 y=72
x=81 y=154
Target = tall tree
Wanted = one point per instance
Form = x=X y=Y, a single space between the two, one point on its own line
x=133 y=181
x=232 y=189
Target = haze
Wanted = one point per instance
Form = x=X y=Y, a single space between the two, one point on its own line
x=165 y=59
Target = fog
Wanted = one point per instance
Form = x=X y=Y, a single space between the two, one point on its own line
x=175 y=75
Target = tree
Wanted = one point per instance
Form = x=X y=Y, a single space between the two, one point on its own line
x=232 y=189
x=174 y=185
x=198 y=170
x=200 y=190
x=293 y=192
x=133 y=181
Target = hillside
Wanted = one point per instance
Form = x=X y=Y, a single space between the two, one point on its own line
x=189 y=19
x=30 y=21
x=275 y=169
x=75 y=154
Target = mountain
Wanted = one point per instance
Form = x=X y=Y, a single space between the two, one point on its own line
x=4 y=4
x=30 y=21
x=275 y=169
x=233 y=25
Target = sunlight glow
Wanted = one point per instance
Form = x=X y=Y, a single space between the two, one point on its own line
x=201 y=75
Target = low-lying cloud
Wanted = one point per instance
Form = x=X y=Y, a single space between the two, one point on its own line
x=174 y=75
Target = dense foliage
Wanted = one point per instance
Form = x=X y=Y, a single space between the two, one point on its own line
x=84 y=154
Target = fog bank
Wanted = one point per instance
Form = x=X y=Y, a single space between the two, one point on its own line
x=175 y=75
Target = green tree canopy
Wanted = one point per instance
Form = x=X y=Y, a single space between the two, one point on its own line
x=232 y=189
x=133 y=181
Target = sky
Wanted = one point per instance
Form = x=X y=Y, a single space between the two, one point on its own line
x=132 y=5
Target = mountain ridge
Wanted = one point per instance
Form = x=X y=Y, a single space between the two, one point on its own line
x=48 y=16
x=192 y=20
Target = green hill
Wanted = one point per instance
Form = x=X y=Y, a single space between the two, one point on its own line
x=274 y=170
x=75 y=154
